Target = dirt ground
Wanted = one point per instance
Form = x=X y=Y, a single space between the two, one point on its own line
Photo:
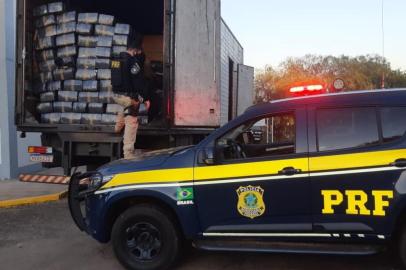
x=45 y=237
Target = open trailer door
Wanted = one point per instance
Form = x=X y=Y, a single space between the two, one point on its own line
x=197 y=62
x=245 y=88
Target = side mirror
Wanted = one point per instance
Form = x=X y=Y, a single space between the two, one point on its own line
x=206 y=156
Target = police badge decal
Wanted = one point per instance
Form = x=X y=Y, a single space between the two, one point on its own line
x=250 y=201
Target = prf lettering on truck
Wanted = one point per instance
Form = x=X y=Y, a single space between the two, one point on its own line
x=356 y=201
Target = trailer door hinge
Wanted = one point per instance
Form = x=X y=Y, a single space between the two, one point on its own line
x=169 y=12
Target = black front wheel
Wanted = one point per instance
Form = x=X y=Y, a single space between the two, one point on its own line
x=144 y=237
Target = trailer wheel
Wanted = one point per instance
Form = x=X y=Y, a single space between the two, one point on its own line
x=144 y=237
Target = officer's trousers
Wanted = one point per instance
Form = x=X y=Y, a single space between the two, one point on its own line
x=130 y=125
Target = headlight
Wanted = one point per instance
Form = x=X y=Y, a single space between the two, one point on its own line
x=98 y=180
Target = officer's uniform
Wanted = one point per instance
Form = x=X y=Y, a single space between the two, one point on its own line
x=131 y=94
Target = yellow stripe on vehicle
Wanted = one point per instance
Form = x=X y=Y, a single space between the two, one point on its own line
x=249 y=169
x=360 y=160
x=264 y=168
x=153 y=176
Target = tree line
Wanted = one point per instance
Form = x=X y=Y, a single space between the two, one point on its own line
x=359 y=73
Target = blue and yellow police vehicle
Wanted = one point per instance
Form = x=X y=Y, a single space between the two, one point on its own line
x=328 y=176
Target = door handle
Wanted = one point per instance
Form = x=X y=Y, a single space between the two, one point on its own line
x=289 y=171
x=400 y=163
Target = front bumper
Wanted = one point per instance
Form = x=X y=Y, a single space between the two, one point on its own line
x=79 y=191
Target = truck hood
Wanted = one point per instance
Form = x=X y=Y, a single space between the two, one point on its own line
x=141 y=162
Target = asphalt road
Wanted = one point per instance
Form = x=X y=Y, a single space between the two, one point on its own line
x=44 y=237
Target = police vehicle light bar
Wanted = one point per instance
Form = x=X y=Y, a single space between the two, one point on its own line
x=310 y=88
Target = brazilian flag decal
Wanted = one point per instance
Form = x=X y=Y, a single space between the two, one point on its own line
x=185 y=194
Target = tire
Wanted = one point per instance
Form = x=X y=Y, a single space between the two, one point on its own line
x=145 y=237
x=402 y=247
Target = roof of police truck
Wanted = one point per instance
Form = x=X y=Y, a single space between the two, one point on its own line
x=367 y=97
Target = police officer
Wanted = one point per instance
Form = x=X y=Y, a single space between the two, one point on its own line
x=128 y=76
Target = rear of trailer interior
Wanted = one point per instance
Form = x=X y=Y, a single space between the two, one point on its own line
x=146 y=17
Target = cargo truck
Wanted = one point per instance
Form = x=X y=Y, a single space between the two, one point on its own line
x=204 y=81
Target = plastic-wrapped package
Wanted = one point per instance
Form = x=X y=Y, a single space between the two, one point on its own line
x=45 y=107
x=65 y=61
x=87 y=52
x=87 y=41
x=45 y=43
x=65 y=28
x=72 y=85
x=65 y=40
x=45 y=21
x=63 y=106
x=86 y=63
x=91 y=119
x=71 y=118
x=63 y=74
x=54 y=86
x=106 y=19
x=103 y=52
x=108 y=119
x=71 y=96
x=66 y=17
x=51 y=118
x=56 y=7
x=122 y=29
x=86 y=74
x=106 y=86
x=40 y=10
x=102 y=63
x=95 y=108
x=47 y=97
x=104 y=41
x=120 y=40
x=88 y=17
x=90 y=97
x=46 y=55
x=104 y=74
x=90 y=85
x=117 y=50
x=104 y=30
x=79 y=107
x=45 y=77
x=114 y=109
x=84 y=28
x=66 y=51
x=47 y=66
x=106 y=97
x=47 y=31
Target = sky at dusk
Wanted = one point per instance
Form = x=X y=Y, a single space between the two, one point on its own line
x=272 y=30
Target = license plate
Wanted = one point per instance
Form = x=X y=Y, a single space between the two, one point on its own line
x=42 y=158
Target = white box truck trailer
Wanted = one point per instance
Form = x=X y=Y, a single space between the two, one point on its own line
x=183 y=35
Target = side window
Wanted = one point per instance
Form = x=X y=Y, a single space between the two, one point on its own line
x=346 y=128
x=393 y=123
x=265 y=137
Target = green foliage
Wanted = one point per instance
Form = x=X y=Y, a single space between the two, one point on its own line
x=358 y=73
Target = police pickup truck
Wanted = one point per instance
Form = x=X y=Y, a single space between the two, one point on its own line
x=327 y=178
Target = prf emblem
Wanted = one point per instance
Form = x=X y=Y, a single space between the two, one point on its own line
x=250 y=201
x=357 y=201
x=115 y=64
